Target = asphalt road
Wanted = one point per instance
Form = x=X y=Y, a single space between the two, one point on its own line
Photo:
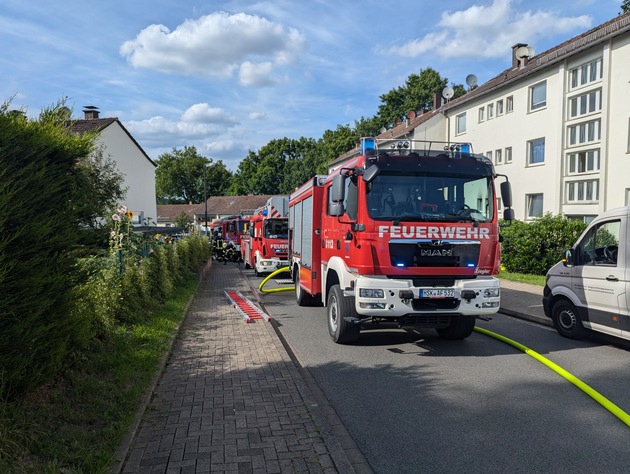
x=416 y=403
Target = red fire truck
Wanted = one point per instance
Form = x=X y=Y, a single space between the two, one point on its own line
x=402 y=234
x=265 y=249
x=231 y=230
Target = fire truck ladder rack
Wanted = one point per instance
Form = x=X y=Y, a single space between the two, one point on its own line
x=245 y=307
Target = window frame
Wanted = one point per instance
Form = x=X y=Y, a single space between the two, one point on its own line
x=531 y=151
x=508 y=155
x=541 y=104
x=531 y=202
x=459 y=120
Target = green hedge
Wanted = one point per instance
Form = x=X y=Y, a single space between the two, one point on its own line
x=39 y=233
x=535 y=247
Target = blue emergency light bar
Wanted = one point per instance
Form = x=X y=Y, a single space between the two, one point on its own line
x=264 y=212
x=368 y=144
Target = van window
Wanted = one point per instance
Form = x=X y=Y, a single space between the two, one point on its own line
x=600 y=246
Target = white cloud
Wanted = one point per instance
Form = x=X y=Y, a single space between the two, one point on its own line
x=217 y=45
x=256 y=115
x=487 y=31
x=203 y=113
x=256 y=74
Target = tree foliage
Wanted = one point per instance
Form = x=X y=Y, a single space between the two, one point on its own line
x=625 y=7
x=40 y=223
x=179 y=177
x=417 y=94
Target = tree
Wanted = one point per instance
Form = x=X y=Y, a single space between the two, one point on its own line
x=625 y=7
x=417 y=94
x=179 y=177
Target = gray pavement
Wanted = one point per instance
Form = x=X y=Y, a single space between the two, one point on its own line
x=231 y=398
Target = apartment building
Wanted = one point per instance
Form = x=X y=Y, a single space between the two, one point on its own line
x=556 y=123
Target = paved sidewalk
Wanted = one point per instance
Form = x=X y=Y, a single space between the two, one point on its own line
x=524 y=301
x=231 y=400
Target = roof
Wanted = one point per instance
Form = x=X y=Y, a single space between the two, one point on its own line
x=217 y=205
x=99 y=124
x=599 y=34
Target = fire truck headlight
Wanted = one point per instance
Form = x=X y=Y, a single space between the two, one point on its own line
x=372 y=305
x=491 y=293
x=371 y=293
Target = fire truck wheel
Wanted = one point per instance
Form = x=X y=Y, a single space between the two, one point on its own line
x=461 y=327
x=340 y=307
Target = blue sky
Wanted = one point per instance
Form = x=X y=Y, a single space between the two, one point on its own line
x=229 y=76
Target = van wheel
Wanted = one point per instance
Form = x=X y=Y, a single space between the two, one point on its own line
x=340 y=307
x=301 y=297
x=566 y=320
x=461 y=327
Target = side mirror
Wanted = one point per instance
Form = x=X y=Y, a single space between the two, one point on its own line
x=338 y=189
x=506 y=194
x=371 y=173
x=508 y=214
x=568 y=259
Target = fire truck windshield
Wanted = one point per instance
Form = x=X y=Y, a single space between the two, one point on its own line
x=277 y=229
x=425 y=197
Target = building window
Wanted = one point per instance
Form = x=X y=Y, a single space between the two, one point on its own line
x=585 y=104
x=584 y=133
x=460 y=121
x=509 y=104
x=498 y=156
x=499 y=204
x=538 y=96
x=627 y=196
x=482 y=112
x=534 y=205
x=579 y=191
x=490 y=111
x=628 y=150
x=586 y=73
x=489 y=155
x=508 y=154
x=536 y=151
x=583 y=162
x=499 y=107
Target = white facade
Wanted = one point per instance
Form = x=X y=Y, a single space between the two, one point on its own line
x=558 y=125
x=137 y=168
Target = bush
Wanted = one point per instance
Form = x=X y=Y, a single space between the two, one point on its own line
x=37 y=249
x=535 y=247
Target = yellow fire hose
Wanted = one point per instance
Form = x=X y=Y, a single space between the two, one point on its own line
x=275 y=290
x=610 y=406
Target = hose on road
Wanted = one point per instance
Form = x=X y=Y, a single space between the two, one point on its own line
x=271 y=275
x=610 y=406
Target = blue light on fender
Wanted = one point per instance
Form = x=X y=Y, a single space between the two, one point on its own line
x=264 y=212
x=367 y=144
x=400 y=264
x=471 y=265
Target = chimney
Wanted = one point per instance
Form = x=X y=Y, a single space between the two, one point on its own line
x=90 y=112
x=516 y=61
x=437 y=100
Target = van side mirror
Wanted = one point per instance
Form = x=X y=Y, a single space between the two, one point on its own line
x=568 y=258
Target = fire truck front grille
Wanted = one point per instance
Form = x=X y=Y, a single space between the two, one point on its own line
x=435 y=304
x=435 y=253
x=425 y=321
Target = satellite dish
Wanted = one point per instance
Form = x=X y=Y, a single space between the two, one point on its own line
x=524 y=52
x=383 y=129
x=471 y=80
x=448 y=92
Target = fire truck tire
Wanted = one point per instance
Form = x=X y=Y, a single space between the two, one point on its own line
x=301 y=297
x=339 y=308
x=461 y=327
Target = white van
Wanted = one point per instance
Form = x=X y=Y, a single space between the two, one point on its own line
x=590 y=287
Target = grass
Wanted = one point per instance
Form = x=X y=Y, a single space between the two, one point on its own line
x=76 y=423
x=523 y=278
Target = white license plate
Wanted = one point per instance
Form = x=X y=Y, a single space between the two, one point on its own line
x=442 y=293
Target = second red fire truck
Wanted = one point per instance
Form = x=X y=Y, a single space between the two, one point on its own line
x=265 y=249
x=402 y=234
